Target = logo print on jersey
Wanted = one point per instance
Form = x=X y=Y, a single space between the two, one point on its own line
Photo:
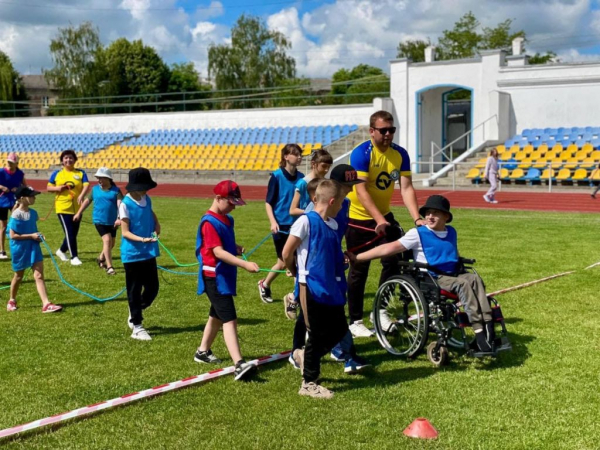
x=395 y=175
x=383 y=181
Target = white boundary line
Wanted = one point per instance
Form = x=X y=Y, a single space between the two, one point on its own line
x=128 y=398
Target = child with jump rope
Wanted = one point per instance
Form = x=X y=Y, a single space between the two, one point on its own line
x=106 y=197
x=320 y=163
x=139 y=248
x=25 y=249
x=216 y=251
x=280 y=193
x=320 y=270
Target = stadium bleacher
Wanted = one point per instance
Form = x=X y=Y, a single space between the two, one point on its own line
x=196 y=149
x=565 y=155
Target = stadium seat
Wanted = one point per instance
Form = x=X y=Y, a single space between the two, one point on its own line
x=517 y=175
x=532 y=175
x=548 y=174
x=474 y=174
x=564 y=175
x=580 y=175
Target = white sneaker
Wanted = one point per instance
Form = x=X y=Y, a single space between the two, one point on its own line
x=384 y=320
x=76 y=261
x=129 y=324
x=3 y=255
x=61 y=255
x=358 y=329
x=140 y=334
x=486 y=198
x=494 y=201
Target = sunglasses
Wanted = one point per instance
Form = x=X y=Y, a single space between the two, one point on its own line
x=386 y=130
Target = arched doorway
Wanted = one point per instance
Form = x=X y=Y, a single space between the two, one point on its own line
x=444 y=112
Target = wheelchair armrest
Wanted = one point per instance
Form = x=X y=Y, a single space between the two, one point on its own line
x=467 y=260
x=414 y=264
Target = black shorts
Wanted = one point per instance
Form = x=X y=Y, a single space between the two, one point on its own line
x=280 y=239
x=221 y=306
x=4 y=213
x=105 y=229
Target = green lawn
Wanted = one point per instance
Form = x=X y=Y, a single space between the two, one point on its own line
x=542 y=395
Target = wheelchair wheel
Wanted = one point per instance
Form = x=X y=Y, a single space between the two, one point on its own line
x=439 y=358
x=401 y=317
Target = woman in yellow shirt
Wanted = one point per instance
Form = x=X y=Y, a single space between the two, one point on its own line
x=71 y=186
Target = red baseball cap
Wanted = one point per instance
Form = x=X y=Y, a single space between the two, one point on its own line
x=230 y=190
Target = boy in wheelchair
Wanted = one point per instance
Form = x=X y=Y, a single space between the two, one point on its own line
x=435 y=244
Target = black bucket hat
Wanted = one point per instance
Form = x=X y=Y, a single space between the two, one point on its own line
x=438 y=202
x=140 y=180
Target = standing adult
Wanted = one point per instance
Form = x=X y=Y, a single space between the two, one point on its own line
x=491 y=174
x=380 y=163
x=71 y=186
x=11 y=178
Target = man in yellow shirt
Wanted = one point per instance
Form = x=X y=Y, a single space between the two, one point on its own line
x=71 y=186
x=380 y=163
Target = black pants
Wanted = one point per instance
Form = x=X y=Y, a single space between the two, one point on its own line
x=71 y=230
x=359 y=272
x=326 y=327
x=141 y=279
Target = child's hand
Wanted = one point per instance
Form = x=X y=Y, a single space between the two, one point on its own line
x=37 y=237
x=274 y=227
x=117 y=223
x=240 y=250
x=77 y=217
x=147 y=240
x=80 y=199
x=350 y=257
x=288 y=273
x=380 y=228
x=251 y=267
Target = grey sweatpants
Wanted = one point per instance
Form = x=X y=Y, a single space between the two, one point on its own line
x=471 y=292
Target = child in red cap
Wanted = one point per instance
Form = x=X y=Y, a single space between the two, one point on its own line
x=217 y=252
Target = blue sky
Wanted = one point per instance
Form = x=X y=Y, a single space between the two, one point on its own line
x=325 y=35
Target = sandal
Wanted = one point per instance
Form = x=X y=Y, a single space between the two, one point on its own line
x=100 y=263
x=110 y=271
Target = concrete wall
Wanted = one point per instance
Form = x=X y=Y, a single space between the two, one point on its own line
x=143 y=123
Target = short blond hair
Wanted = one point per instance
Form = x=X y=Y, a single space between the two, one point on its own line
x=326 y=190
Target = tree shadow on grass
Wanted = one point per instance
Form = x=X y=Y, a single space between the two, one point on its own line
x=160 y=330
x=90 y=301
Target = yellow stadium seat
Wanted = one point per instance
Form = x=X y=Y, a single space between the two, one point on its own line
x=547 y=173
x=595 y=176
x=572 y=148
x=581 y=155
x=500 y=149
x=520 y=156
x=474 y=174
x=514 y=149
x=587 y=163
x=587 y=148
x=506 y=156
x=595 y=155
x=580 y=174
x=557 y=148
x=526 y=163
x=537 y=154
x=528 y=149
x=481 y=163
x=571 y=164
x=563 y=175
x=543 y=148
x=317 y=146
x=516 y=174
x=503 y=174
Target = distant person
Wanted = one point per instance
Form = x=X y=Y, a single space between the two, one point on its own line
x=11 y=178
x=107 y=198
x=597 y=183
x=25 y=249
x=491 y=174
x=71 y=186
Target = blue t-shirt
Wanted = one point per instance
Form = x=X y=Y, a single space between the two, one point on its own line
x=10 y=181
x=24 y=253
x=105 y=205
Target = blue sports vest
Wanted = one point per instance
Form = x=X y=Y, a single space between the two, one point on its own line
x=226 y=273
x=105 y=205
x=285 y=197
x=325 y=276
x=441 y=254
x=25 y=253
x=7 y=200
x=141 y=223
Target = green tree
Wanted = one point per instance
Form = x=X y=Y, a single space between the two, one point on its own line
x=465 y=40
x=185 y=83
x=256 y=58
x=11 y=89
x=358 y=85
x=76 y=71
x=413 y=50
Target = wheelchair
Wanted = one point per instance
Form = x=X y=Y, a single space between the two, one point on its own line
x=411 y=306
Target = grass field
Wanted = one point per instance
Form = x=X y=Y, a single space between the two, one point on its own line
x=542 y=395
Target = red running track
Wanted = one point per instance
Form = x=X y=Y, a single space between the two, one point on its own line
x=508 y=200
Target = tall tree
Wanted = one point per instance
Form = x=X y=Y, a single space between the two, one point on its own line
x=466 y=39
x=77 y=71
x=11 y=89
x=362 y=79
x=256 y=57
x=185 y=83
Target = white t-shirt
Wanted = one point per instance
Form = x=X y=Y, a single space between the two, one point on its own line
x=124 y=213
x=301 y=229
x=412 y=241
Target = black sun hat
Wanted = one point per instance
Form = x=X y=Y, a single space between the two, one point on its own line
x=140 y=180
x=438 y=202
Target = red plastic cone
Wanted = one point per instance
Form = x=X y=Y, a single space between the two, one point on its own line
x=421 y=428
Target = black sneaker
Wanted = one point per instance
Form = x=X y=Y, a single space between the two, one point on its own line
x=243 y=370
x=207 y=357
x=482 y=342
x=264 y=292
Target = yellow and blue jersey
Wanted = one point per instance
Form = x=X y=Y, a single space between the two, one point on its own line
x=66 y=201
x=382 y=170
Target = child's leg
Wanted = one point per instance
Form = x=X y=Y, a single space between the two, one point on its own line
x=299 y=339
x=107 y=243
x=231 y=340
x=2 y=235
x=279 y=265
x=462 y=285
x=210 y=332
x=38 y=275
x=15 y=283
x=150 y=282
x=134 y=279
